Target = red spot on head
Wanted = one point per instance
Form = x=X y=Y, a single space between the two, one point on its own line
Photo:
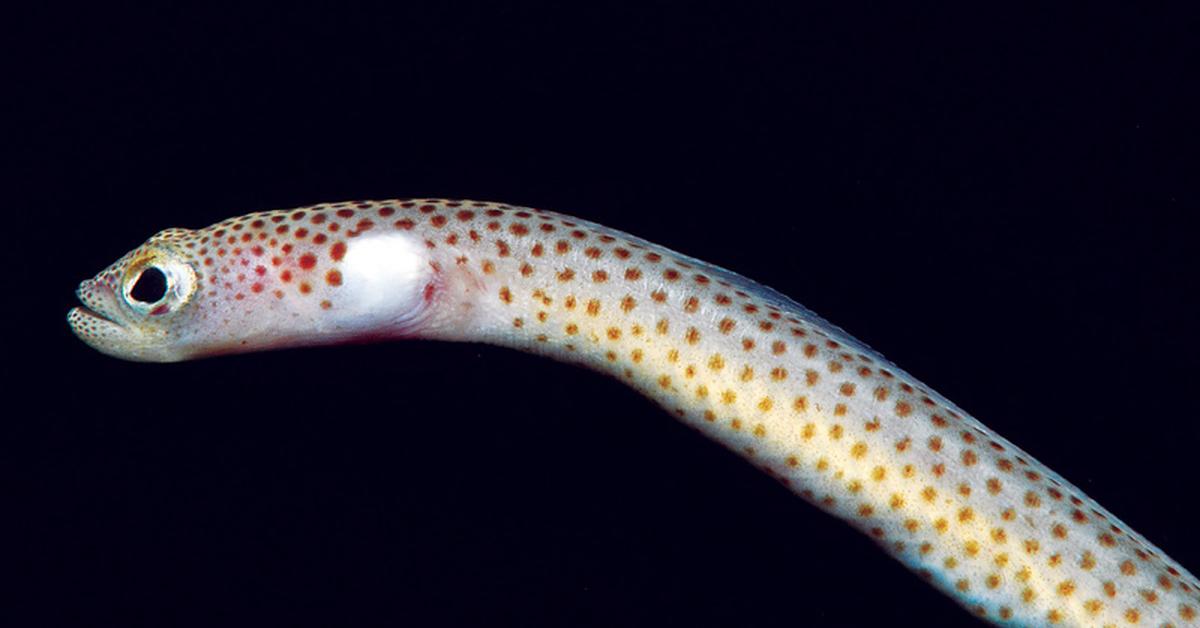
x=261 y=270
x=285 y=276
x=307 y=261
x=338 y=251
x=333 y=278
x=256 y=288
x=318 y=219
x=345 y=213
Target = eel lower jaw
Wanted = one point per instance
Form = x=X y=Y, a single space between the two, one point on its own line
x=85 y=311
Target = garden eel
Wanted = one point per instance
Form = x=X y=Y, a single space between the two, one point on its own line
x=833 y=420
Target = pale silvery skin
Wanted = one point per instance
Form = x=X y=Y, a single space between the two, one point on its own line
x=841 y=426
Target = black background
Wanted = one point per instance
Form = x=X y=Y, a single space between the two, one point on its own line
x=1001 y=202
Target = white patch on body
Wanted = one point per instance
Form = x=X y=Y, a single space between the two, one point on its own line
x=383 y=278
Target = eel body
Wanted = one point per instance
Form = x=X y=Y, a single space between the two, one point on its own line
x=992 y=528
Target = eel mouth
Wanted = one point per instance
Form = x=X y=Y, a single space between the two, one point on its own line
x=96 y=306
x=83 y=310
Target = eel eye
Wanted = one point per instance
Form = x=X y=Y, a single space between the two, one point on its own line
x=150 y=287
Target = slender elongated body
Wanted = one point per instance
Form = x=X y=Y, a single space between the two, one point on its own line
x=833 y=420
